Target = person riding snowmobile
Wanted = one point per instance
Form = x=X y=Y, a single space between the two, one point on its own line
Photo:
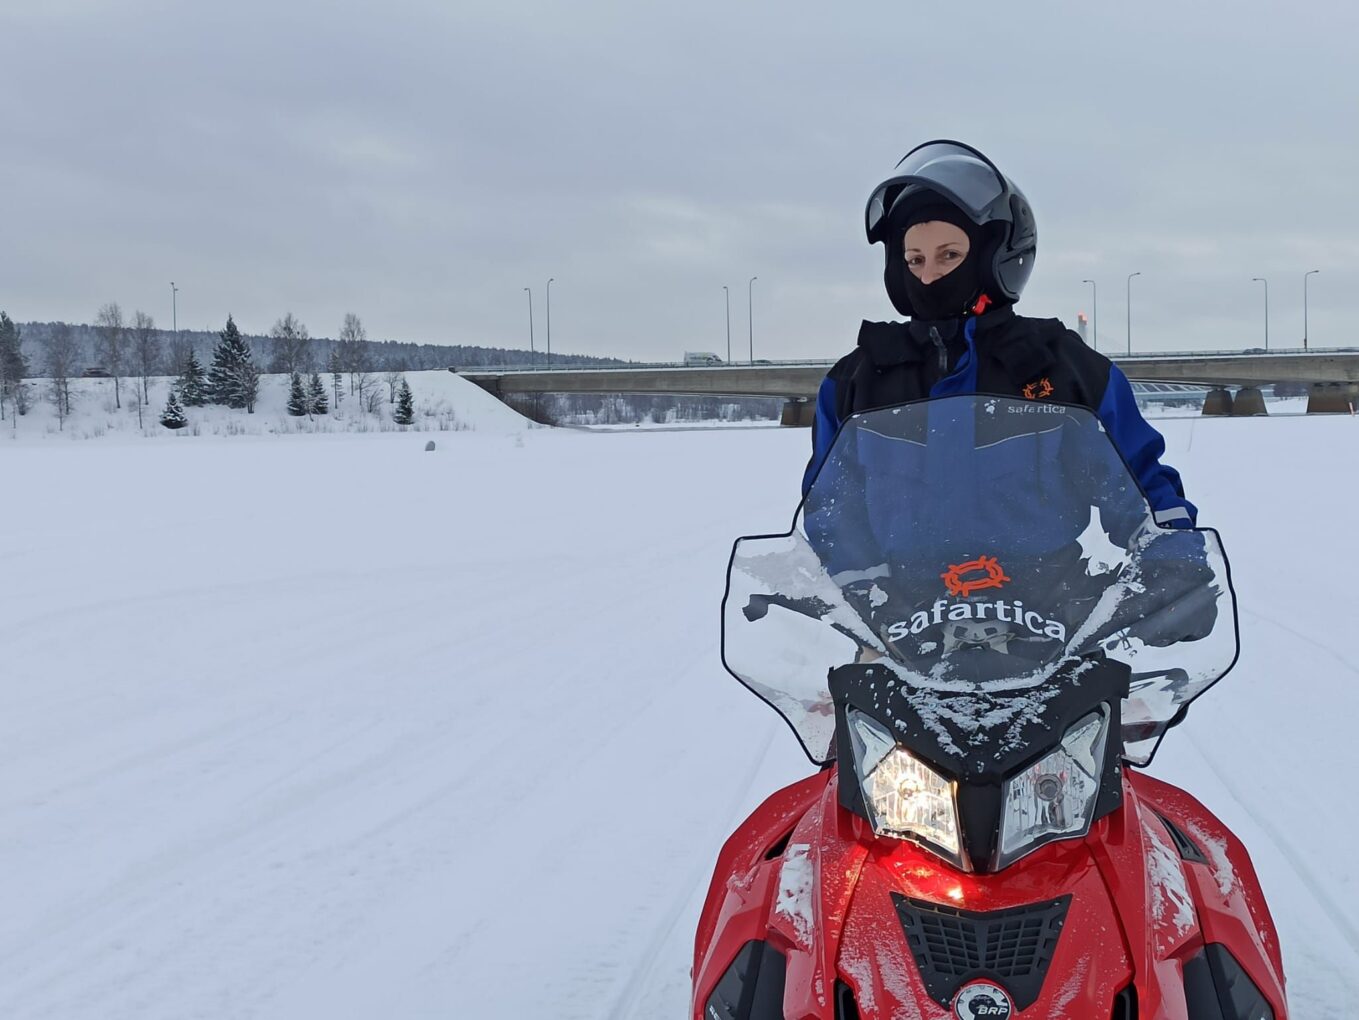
x=960 y=242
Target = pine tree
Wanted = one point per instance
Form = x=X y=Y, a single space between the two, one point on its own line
x=334 y=366
x=298 y=404
x=234 y=378
x=193 y=384
x=316 y=396
x=405 y=405
x=13 y=367
x=173 y=415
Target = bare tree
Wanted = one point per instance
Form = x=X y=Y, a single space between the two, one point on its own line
x=145 y=350
x=393 y=379
x=292 y=346
x=180 y=349
x=60 y=363
x=366 y=384
x=112 y=332
x=353 y=349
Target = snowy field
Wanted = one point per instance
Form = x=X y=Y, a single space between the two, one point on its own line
x=329 y=726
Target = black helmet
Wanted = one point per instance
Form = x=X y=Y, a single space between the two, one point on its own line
x=967 y=179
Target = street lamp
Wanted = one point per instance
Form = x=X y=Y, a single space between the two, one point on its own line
x=174 y=307
x=529 y=292
x=549 y=322
x=1261 y=279
x=750 y=309
x=1130 y=276
x=727 y=294
x=1304 y=305
x=1094 y=312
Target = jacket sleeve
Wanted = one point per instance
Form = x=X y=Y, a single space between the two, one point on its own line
x=1142 y=447
x=824 y=426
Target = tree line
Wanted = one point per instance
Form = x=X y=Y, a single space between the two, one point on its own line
x=272 y=349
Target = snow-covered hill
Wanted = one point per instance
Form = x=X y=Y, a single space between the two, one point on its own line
x=345 y=729
x=444 y=402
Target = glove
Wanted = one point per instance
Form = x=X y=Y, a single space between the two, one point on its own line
x=1179 y=604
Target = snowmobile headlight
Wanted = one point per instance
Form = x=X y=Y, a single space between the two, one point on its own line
x=906 y=798
x=1055 y=797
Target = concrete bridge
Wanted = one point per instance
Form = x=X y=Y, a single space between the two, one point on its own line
x=1331 y=374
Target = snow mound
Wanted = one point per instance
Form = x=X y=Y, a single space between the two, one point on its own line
x=444 y=402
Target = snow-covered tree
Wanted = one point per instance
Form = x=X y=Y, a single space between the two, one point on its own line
x=335 y=366
x=13 y=368
x=193 y=382
x=234 y=378
x=316 y=396
x=405 y=405
x=297 y=398
x=173 y=415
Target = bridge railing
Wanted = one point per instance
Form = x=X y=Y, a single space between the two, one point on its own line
x=1252 y=352
x=643 y=366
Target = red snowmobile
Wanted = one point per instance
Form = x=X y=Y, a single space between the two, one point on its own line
x=977 y=630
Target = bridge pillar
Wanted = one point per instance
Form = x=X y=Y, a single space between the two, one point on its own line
x=1331 y=398
x=798 y=413
x=1249 y=401
x=1218 y=402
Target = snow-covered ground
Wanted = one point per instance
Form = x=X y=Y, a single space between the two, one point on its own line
x=443 y=401
x=301 y=726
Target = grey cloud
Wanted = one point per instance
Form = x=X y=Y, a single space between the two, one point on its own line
x=421 y=163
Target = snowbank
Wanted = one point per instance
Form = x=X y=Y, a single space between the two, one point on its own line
x=444 y=402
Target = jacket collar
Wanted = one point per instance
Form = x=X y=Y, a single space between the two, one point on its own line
x=886 y=344
x=999 y=334
x=1021 y=350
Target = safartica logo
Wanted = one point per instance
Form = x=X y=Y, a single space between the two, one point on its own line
x=956 y=612
x=962 y=580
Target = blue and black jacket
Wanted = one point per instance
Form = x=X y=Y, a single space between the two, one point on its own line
x=1001 y=353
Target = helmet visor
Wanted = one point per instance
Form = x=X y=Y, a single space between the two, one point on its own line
x=959 y=173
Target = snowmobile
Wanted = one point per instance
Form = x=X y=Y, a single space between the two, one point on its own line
x=978 y=631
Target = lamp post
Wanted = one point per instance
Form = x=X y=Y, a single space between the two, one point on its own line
x=549 y=321
x=1304 y=305
x=750 y=309
x=1261 y=279
x=529 y=292
x=727 y=294
x=174 y=307
x=1094 y=312
x=1130 y=276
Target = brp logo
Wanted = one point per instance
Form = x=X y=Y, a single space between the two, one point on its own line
x=982 y=1000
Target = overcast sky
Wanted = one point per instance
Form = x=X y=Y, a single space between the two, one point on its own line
x=421 y=162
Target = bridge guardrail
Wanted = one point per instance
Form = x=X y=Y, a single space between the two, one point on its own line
x=827 y=362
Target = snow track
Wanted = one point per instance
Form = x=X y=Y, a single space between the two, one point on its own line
x=352 y=730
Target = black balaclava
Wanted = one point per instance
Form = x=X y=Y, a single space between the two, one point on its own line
x=951 y=296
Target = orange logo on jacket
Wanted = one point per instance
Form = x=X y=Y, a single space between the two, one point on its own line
x=1040 y=390
x=984 y=571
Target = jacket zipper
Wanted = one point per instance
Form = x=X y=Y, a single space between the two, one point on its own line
x=943 y=351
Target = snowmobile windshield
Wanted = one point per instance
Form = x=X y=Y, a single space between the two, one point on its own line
x=950 y=168
x=978 y=545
